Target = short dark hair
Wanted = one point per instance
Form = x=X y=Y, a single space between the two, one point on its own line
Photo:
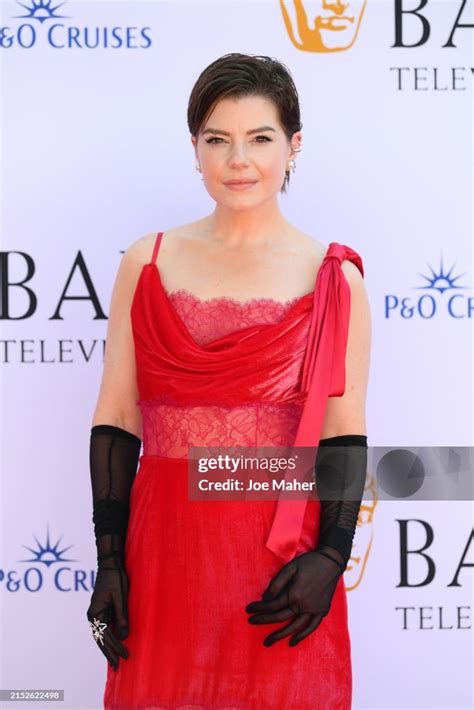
x=237 y=75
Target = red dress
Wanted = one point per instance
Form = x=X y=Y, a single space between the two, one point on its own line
x=221 y=372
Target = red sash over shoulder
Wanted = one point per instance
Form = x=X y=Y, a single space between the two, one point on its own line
x=324 y=375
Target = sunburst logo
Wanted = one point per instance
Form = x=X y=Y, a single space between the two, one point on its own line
x=441 y=281
x=48 y=554
x=41 y=10
x=434 y=300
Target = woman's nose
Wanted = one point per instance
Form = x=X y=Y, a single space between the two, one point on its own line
x=238 y=156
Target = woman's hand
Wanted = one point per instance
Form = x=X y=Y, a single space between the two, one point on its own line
x=109 y=605
x=302 y=590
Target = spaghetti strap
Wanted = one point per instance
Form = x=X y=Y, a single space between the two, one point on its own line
x=156 y=247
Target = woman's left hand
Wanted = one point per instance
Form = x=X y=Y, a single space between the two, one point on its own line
x=302 y=589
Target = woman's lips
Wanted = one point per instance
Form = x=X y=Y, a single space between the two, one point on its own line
x=240 y=185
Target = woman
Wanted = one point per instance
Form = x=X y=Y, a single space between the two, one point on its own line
x=237 y=329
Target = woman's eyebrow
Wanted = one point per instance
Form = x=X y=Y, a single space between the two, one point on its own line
x=226 y=133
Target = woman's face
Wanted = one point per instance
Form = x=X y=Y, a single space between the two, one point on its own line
x=229 y=147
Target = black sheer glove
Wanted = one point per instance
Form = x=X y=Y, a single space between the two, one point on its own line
x=341 y=470
x=114 y=455
x=303 y=589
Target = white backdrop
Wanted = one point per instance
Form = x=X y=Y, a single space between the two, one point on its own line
x=95 y=152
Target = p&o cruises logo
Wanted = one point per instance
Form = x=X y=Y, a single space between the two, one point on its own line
x=48 y=566
x=441 y=293
x=43 y=22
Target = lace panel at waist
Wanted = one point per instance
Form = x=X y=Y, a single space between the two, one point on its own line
x=169 y=429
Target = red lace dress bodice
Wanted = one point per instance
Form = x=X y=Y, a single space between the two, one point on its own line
x=223 y=373
x=170 y=428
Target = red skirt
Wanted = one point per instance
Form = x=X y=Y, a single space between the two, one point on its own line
x=193 y=567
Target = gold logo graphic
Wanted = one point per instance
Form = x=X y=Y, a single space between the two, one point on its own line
x=363 y=536
x=333 y=26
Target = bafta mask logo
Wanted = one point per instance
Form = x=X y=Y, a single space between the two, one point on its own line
x=363 y=536
x=322 y=25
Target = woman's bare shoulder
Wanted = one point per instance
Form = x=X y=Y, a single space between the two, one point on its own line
x=136 y=255
x=140 y=251
x=308 y=245
x=312 y=247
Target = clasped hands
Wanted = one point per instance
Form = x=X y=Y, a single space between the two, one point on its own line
x=302 y=591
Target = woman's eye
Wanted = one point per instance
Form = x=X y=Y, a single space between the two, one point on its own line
x=215 y=138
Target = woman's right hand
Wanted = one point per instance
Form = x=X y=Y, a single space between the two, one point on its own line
x=108 y=610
